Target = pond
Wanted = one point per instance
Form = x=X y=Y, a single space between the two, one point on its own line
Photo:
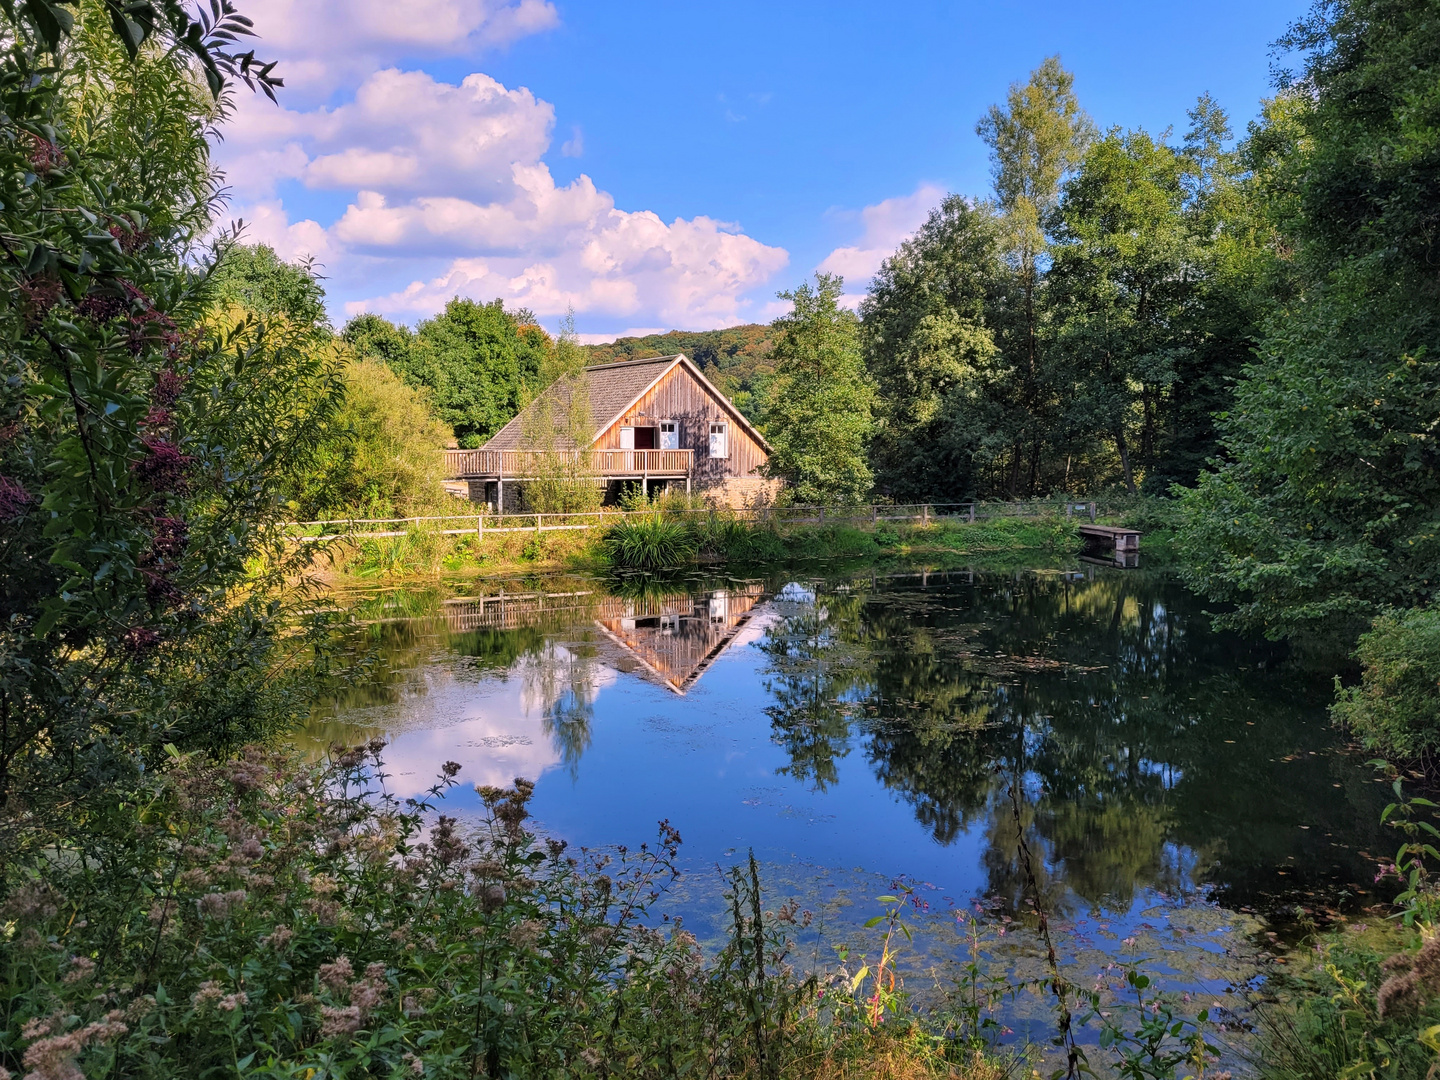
x=1178 y=790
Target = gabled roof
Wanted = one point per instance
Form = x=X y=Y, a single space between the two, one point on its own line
x=613 y=389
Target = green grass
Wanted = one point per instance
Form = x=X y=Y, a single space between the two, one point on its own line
x=651 y=542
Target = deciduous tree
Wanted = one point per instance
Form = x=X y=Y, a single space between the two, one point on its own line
x=930 y=349
x=819 y=414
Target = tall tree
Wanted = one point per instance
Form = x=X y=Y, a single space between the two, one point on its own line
x=1120 y=282
x=479 y=362
x=818 y=420
x=1035 y=140
x=1232 y=276
x=931 y=352
x=1328 y=507
x=146 y=447
x=375 y=337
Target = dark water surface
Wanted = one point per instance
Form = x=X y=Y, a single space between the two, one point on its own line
x=1171 y=781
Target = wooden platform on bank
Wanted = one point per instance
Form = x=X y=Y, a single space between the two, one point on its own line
x=1121 y=539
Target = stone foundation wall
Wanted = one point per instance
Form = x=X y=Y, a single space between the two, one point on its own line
x=741 y=492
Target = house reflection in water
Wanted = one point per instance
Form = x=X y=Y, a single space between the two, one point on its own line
x=669 y=638
x=673 y=639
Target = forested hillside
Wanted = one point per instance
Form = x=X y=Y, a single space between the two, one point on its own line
x=736 y=359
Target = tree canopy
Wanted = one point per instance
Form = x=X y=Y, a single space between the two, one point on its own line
x=1327 y=506
x=478 y=362
x=819 y=410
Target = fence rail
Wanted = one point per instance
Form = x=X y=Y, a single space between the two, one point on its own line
x=522 y=464
x=479 y=524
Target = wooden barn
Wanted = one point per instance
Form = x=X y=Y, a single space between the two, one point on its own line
x=657 y=421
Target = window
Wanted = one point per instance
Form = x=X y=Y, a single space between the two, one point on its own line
x=669 y=435
x=719 y=441
x=627 y=438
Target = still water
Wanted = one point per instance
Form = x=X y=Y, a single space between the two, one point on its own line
x=1169 y=780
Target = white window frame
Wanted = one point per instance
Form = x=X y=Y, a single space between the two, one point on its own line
x=673 y=443
x=627 y=438
x=721 y=428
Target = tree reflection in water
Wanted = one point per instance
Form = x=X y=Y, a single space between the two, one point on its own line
x=1150 y=752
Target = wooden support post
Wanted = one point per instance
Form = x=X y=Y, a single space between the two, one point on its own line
x=537 y=523
x=874 y=514
x=972 y=511
x=500 y=496
x=925 y=514
x=479 y=527
x=1092 y=513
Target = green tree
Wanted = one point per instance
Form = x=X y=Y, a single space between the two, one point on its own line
x=819 y=413
x=1328 y=507
x=382 y=453
x=929 y=347
x=253 y=277
x=479 y=362
x=142 y=122
x=559 y=423
x=145 y=585
x=1119 y=286
x=375 y=337
x=1035 y=140
x=1233 y=276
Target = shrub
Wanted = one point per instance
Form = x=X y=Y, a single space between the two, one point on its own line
x=1396 y=706
x=267 y=918
x=649 y=542
x=383 y=454
x=146 y=590
x=288 y=918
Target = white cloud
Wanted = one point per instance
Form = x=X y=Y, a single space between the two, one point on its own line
x=403 y=132
x=689 y=273
x=433 y=171
x=322 y=44
x=266 y=222
x=886 y=225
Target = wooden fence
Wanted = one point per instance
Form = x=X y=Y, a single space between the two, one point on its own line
x=480 y=524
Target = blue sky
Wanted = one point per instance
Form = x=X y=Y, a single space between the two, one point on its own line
x=658 y=165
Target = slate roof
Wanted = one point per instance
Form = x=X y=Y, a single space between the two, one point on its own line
x=613 y=388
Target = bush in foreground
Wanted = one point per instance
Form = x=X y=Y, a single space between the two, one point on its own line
x=265 y=918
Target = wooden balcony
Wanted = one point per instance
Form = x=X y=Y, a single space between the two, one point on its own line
x=524 y=464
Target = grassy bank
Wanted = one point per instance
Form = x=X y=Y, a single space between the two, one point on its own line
x=660 y=541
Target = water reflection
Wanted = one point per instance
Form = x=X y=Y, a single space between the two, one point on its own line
x=907 y=723
x=1097 y=713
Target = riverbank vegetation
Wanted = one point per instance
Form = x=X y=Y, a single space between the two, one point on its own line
x=1254 y=323
x=670 y=534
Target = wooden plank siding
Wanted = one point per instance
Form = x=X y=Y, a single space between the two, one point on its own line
x=679 y=398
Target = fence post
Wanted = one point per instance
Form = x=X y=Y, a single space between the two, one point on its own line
x=479 y=527
x=972 y=511
x=925 y=515
x=874 y=514
x=1092 y=513
x=822 y=513
x=537 y=523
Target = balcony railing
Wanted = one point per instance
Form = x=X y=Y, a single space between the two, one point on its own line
x=519 y=464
